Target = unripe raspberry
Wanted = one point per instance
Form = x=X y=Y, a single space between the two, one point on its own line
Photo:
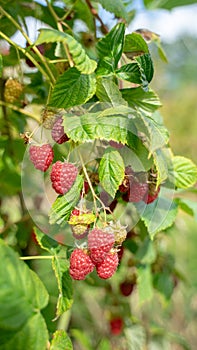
x=49 y=116
x=41 y=156
x=63 y=175
x=80 y=264
x=13 y=90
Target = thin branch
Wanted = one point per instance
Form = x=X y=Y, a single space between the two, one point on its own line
x=20 y=110
x=96 y=15
x=41 y=57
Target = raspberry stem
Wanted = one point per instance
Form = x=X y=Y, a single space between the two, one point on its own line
x=20 y=110
x=41 y=57
x=95 y=197
x=36 y=257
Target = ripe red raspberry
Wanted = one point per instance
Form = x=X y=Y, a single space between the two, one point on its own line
x=80 y=264
x=41 y=156
x=57 y=132
x=126 y=288
x=152 y=195
x=99 y=244
x=108 y=266
x=63 y=176
x=137 y=191
x=116 y=325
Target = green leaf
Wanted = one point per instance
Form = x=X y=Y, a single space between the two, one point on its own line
x=111 y=171
x=61 y=268
x=185 y=172
x=146 y=66
x=32 y=336
x=63 y=205
x=111 y=45
x=146 y=252
x=190 y=207
x=158 y=215
x=158 y=135
x=134 y=45
x=130 y=72
x=22 y=293
x=46 y=242
x=163 y=282
x=136 y=337
x=167 y=4
x=82 y=62
x=163 y=163
x=144 y=101
x=73 y=88
x=61 y=341
x=108 y=91
x=116 y=6
x=111 y=124
x=144 y=283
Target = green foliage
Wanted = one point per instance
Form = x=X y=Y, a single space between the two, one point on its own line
x=99 y=82
x=61 y=341
x=82 y=62
x=72 y=89
x=111 y=171
x=22 y=297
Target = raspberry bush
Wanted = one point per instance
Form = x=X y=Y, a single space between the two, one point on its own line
x=81 y=128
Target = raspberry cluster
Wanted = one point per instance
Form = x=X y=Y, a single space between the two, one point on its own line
x=138 y=186
x=100 y=254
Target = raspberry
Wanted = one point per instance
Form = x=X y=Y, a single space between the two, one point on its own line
x=152 y=195
x=80 y=264
x=116 y=325
x=79 y=231
x=63 y=176
x=49 y=116
x=13 y=90
x=126 y=288
x=137 y=191
x=41 y=156
x=108 y=266
x=118 y=230
x=99 y=244
x=57 y=132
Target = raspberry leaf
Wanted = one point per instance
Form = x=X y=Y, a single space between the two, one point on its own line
x=117 y=7
x=134 y=43
x=61 y=268
x=143 y=101
x=158 y=215
x=108 y=91
x=185 y=172
x=63 y=205
x=110 y=47
x=22 y=292
x=144 y=283
x=111 y=171
x=82 y=62
x=99 y=125
x=61 y=341
x=73 y=88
